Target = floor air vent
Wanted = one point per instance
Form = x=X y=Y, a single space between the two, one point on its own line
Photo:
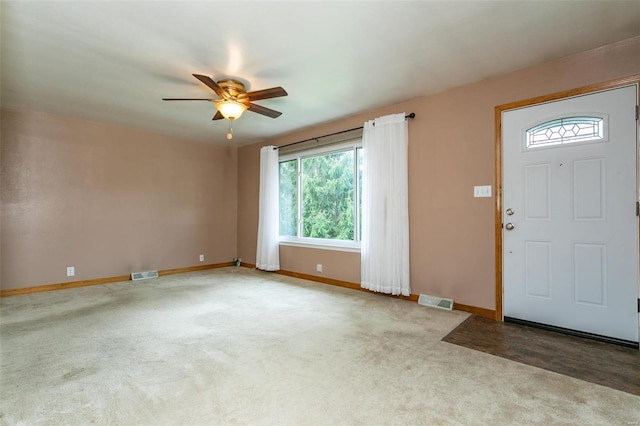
x=435 y=302
x=145 y=275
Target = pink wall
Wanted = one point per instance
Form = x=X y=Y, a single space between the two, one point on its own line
x=451 y=149
x=109 y=200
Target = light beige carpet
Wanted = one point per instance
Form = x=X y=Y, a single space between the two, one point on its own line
x=235 y=346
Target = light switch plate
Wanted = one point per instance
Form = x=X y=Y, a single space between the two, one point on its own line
x=482 y=191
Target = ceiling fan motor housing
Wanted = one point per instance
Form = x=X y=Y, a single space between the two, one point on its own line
x=233 y=87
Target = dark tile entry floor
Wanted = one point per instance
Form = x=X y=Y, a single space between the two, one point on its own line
x=606 y=364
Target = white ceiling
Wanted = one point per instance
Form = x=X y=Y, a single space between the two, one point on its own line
x=113 y=61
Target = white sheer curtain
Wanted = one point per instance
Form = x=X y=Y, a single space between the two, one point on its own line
x=385 y=211
x=268 y=251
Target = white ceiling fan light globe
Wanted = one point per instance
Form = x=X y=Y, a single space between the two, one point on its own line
x=231 y=110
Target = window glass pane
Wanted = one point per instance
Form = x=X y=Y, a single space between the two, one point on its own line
x=360 y=156
x=289 y=198
x=566 y=130
x=327 y=196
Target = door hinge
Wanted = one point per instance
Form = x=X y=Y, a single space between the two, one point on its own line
x=637 y=112
x=637 y=208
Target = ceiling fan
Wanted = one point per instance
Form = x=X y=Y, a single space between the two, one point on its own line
x=234 y=99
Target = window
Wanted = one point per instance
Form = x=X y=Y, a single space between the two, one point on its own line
x=566 y=130
x=320 y=198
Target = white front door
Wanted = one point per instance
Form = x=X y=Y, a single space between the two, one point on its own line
x=570 y=230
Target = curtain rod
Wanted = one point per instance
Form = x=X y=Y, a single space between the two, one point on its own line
x=412 y=115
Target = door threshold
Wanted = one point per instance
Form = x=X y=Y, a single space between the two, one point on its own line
x=570 y=332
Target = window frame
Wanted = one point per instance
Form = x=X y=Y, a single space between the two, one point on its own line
x=352 y=144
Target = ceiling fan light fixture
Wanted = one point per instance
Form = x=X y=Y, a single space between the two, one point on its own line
x=231 y=110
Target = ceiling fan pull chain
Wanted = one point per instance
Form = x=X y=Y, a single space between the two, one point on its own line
x=230 y=134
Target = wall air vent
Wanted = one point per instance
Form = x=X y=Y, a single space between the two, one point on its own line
x=145 y=275
x=435 y=302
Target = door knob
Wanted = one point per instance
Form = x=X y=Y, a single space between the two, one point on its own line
x=510 y=212
x=509 y=226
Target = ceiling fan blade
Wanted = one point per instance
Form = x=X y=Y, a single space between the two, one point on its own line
x=218 y=116
x=274 y=92
x=213 y=86
x=264 y=111
x=189 y=99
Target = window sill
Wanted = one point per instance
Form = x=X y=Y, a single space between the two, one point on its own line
x=347 y=246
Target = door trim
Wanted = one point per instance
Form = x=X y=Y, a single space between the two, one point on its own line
x=598 y=87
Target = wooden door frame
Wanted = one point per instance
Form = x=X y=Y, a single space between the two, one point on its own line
x=612 y=84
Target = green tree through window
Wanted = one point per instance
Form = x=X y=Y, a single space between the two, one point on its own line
x=327 y=196
x=320 y=194
x=289 y=197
